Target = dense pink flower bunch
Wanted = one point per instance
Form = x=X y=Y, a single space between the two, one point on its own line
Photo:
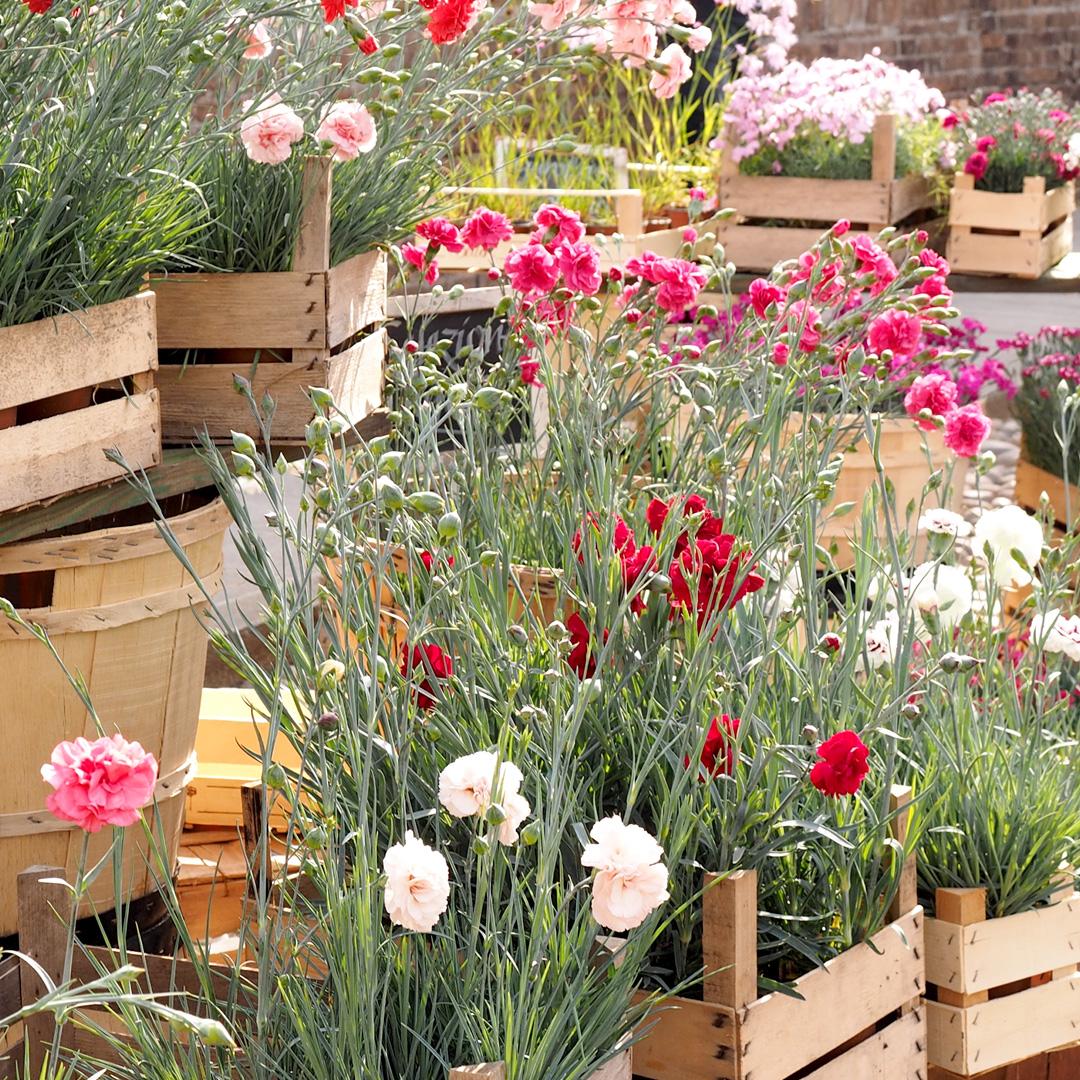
x=1013 y=135
x=678 y=281
x=838 y=98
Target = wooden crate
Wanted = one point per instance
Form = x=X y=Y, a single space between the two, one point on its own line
x=860 y=1017
x=1031 y=482
x=1006 y=989
x=629 y=238
x=283 y=332
x=232 y=727
x=1063 y=1064
x=869 y=205
x=122 y=612
x=1019 y=235
x=110 y=354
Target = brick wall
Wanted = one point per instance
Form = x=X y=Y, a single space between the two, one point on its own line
x=962 y=46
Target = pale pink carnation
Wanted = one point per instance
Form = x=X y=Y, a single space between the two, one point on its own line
x=677 y=69
x=417 y=884
x=553 y=15
x=257 y=38
x=349 y=128
x=105 y=782
x=699 y=39
x=269 y=132
x=631 y=881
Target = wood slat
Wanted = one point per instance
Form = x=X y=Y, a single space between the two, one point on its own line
x=84 y=349
x=850 y=993
x=201 y=396
x=10 y=993
x=243 y=311
x=1031 y=482
x=1004 y=1029
x=761 y=247
x=356 y=296
x=688 y=1040
x=66 y=453
x=967 y=959
x=997 y=210
x=806 y=197
x=355 y=377
x=897 y=1052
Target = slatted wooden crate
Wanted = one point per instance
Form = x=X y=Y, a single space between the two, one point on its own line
x=1063 y=1064
x=232 y=730
x=753 y=244
x=100 y=363
x=1019 y=235
x=628 y=239
x=1006 y=989
x=283 y=332
x=859 y=1018
x=1031 y=482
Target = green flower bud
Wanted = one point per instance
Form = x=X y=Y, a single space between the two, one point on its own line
x=276 y=777
x=390 y=496
x=488 y=558
x=449 y=527
x=242 y=465
x=517 y=634
x=331 y=672
x=426 y=502
x=531 y=833
x=495 y=815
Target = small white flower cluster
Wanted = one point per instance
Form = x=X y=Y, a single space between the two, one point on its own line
x=631 y=880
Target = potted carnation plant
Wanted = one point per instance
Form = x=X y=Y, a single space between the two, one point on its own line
x=1011 y=206
x=784 y=145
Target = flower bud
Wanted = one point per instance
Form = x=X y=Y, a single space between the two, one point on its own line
x=488 y=558
x=426 y=502
x=910 y=711
x=276 y=777
x=390 y=496
x=495 y=815
x=328 y=721
x=331 y=673
x=517 y=634
x=531 y=833
x=810 y=734
x=556 y=631
x=243 y=444
x=449 y=527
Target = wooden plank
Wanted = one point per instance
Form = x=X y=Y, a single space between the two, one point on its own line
x=180 y=471
x=1002 y=1030
x=241 y=311
x=618 y=1068
x=907 y=893
x=997 y=210
x=687 y=1040
x=897 y=1052
x=999 y=951
x=202 y=396
x=227 y=729
x=883 y=151
x=312 y=250
x=1060 y=202
x=356 y=296
x=355 y=377
x=494 y=1071
x=729 y=938
x=213 y=798
x=852 y=991
x=908 y=194
x=761 y=247
x=65 y=453
x=980 y=253
x=83 y=349
x=10 y=986
x=1031 y=482
x=806 y=197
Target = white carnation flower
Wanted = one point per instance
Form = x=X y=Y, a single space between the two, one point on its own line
x=631 y=881
x=1057 y=633
x=417 y=884
x=1002 y=531
x=944 y=522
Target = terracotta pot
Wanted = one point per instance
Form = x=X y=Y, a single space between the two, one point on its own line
x=57 y=405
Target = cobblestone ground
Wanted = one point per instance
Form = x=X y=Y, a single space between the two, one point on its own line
x=997 y=485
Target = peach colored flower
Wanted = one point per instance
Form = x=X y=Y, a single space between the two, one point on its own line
x=105 y=782
x=417 y=884
x=631 y=881
x=553 y=15
x=257 y=38
x=350 y=128
x=469 y=785
x=517 y=809
x=677 y=69
x=269 y=132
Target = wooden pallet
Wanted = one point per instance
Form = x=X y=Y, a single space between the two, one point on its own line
x=102 y=361
x=1006 y=989
x=1021 y=235
x=869 y=204
x=293 y=330
x=860 y=1017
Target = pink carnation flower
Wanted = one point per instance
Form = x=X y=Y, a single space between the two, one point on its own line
x=268 y=133
x=556 y=225
x=676 y=70
x=105 y=782
x=966 y=429
x=935 y=392
x=349 y=128
x=580 y=266
x=763 y=293
x=977 y=164
x=532 y=270
x=898 y=331
x=257 y=39
x=486 y=229
x=441 y=233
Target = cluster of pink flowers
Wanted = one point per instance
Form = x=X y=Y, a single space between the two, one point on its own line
x=772 y=23
x=1013 y=135
x=678 y=282
x=841 y=98
x=932 y=399
x=270 y=131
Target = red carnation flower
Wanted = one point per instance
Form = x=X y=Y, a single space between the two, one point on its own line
x=843 y=765
x=335 y=9
x=635 y=561
x=429 y=660
x=977 y=164
x=39 y=7
x=718 y=753
x=710 y=577
x=368 y=45
x=581 y=657
x=449 y=20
